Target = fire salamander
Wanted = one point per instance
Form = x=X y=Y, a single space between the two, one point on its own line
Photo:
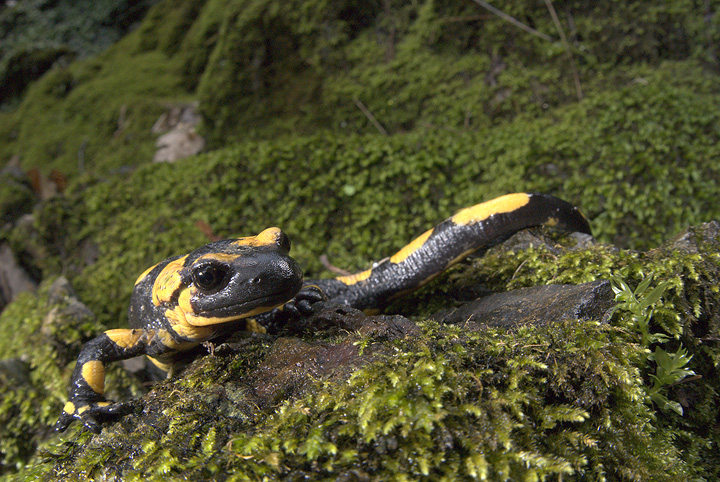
x=232 y=285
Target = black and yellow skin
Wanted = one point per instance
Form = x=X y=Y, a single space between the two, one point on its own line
x=236 y=284
x=180 y=303
x=471 y=229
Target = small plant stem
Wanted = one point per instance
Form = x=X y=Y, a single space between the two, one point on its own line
x=563 y=39
x=513 y=20
x=370 y=117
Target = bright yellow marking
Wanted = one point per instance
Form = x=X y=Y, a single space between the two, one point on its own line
x=93 y=372
x=83 y=408
x=125 y=338
x=168 y=281
x=221 y=257
x=251 y=324
x=267 y=237
x=503 y=204
x=414 y=245
x=103 y=404
x=195 y=333
x=552 y=222
x=351 y=279
x=184 y=298
x=178 y=317
x=169 y=341
x=144 y=274
x=69 y=408
x=199 y=320
x=166 y=367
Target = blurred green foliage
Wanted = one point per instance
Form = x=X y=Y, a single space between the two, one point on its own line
x=37 y=33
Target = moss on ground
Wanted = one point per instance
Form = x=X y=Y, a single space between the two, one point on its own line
x=569 y=399
x=42 y=336
x=634 y=166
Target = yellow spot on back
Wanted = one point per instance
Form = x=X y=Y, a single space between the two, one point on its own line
x=503 y=204
x=413 y=246
x=93 y=372
x=351 y=279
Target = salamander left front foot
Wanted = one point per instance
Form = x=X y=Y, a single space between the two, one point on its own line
x=298 y=307
x=302 y=304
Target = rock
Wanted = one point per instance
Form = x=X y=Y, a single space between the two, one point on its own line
x=14 y=372
x=293 y=365
x=65 y=306
x=13 y=278
x=538 y=305
x=65 y=311
x=340 y=318
x=180 y=139
x=691 y=239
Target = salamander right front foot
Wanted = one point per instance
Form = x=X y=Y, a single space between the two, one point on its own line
x=91 y=414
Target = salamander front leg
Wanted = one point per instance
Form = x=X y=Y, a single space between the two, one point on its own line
x=87 y=402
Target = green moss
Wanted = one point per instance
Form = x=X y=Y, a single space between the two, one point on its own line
x=260 y=68
x=470 y=406
x=565 y=399
x=37 y=33
x=475 y=109
x=94 y=115
x=358 y=199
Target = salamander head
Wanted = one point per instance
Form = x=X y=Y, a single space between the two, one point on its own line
x=222 y=281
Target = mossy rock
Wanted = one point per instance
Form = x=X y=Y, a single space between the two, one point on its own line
x=361 y=398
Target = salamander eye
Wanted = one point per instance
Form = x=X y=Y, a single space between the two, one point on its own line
x=209 y=277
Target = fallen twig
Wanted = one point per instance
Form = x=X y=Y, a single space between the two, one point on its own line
x=513 y=20
x=370 y=117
